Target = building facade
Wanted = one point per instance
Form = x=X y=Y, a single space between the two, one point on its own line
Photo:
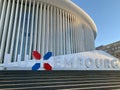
x=58 y=26
x=113 y=49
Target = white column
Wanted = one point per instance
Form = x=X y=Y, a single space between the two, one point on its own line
x=73 y=27
x=18 y=31
x=77 y=35
x=63 y=32
x=68 y=34
x=40 y=27
x=43 y=30
x=76 y=39
x=14 y=28
x=28 y=28
x=4 y=36
x=10 y=28
x=54 y=32
x=3 y=14
x=92 y=40
x=82 y=36
x=47 y=30
x=61 y=36
x=51 y=29
x=71 y=43
x=1 y=2
x=23 y=32
x=31 y=33
x=36 y=28
x=57 y=34
x=87 y=39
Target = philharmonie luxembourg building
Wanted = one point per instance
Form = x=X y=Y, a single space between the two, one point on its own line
x=59 y=26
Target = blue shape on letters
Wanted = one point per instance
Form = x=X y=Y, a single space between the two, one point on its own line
x=36 y=66
x=47 y=55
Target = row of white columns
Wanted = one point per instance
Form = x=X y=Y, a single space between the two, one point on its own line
x=28 y=25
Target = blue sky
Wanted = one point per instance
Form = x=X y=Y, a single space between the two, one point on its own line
x=106 y=15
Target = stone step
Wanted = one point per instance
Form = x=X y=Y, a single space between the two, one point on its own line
x=15 y=80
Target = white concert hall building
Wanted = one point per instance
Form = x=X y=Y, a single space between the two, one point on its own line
x=58 y=26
